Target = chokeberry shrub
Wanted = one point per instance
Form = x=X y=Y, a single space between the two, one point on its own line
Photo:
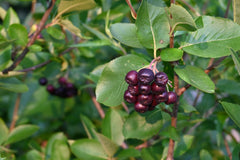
x=119 y=80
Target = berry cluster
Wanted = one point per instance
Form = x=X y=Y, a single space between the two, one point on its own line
x=147 y=90
x=65 y=89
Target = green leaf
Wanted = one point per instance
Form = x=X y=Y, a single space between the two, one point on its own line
x=34 y=155
x=21 y=132
x=137 y=127
x=129 y=152
x=88 y=149
x=111 y=85
x=35 y=48
x=170 y=132
x=112 y=126
x=183 y=145
x=13 y=84
x=214 y=39
x=148 y=154
x=10 y=18
x=66 y=6
x=96 y=43
x=236 y=152
x=3 y=131
x=109 y=146
x=55 y=33
x=181 y=20
x=18 y=33
x=205 y=155
x=171 y=54
x=186 y=107
x=228 y=86
x=236 y=11
x=126 y=33
x=2 y=13
x=57 y=147
x=73 y=29
x=233 y=111
x=89 y=127
x=236 y=60
x=5 y=43
x=196 y=77
x=152 y=24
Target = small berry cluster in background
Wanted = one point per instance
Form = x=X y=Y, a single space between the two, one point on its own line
x=147 y=90
x=64 y=90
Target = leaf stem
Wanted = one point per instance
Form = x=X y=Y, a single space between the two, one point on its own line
x=133 y=12
x=15 y=113
x=227 y=146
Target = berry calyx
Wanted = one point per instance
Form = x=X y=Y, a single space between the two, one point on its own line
x=145 y=76
x=132 y=77
x=43 y=81
x=129 y=97
x=172 y=98
x=140 y=107
x=161 y=78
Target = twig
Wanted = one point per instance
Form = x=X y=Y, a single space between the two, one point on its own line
x=33 y=6
x=32 y=40
x=15 y=113
x=227 y=10
x=125 y=107
x=145 y=144
x=133 y=12
x=190 y=7
x=227 y=146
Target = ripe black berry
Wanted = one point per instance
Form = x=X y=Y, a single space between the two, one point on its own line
x=172 y=98
x=153 y=105
x=62 y=81
x=133 y=90
x=145 y=76
x=161 y=78
x=60 y=91
x=163 y=97
x=129 y=97
x=156 y=89
x=140 y=107
x=144 y=89
x=131 y=77
x=145 y=99
x=43 y=81
x=50 y=89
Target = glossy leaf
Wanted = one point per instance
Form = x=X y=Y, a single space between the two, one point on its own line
x=96 y=43
x=89 y=127
x=214 y=39
x=11 y=17
x=205 y=155
x=152 y=24
x=137 y=127
x=147 y=154
x=233 y=111
x=236 y=60
x=181 y=20
x=35 y=48
x=13 y=84
x=112 y=126
x=21 y=132
x=228 y=86
x=186 y=107
x=55 y=32
x=18 y=33
x=171 y=54
x=66 y=6
x=109 y=146
x=111 y=85
x=196 y=77
x=3 y=131
x=126 y=33
x=183 y=145
x=129 y=152
x=34 y=155
x=88 y=149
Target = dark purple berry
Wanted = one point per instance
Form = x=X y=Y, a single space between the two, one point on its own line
x=144 y=89
x=129 y=97
x=145 y=99
x=43 y=81
x=131 y=77
x=145 y=76
x=156 y=89
x=60 y=91
x=133 y=90
x=153 y=105
x=50 y=89
x=161 y=78
x=172 y=98
x=163 y=97
x=140 y=107
x=62 y=81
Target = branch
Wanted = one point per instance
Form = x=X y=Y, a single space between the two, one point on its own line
x=32 y=40
x=227 y=146
x=227 y=10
